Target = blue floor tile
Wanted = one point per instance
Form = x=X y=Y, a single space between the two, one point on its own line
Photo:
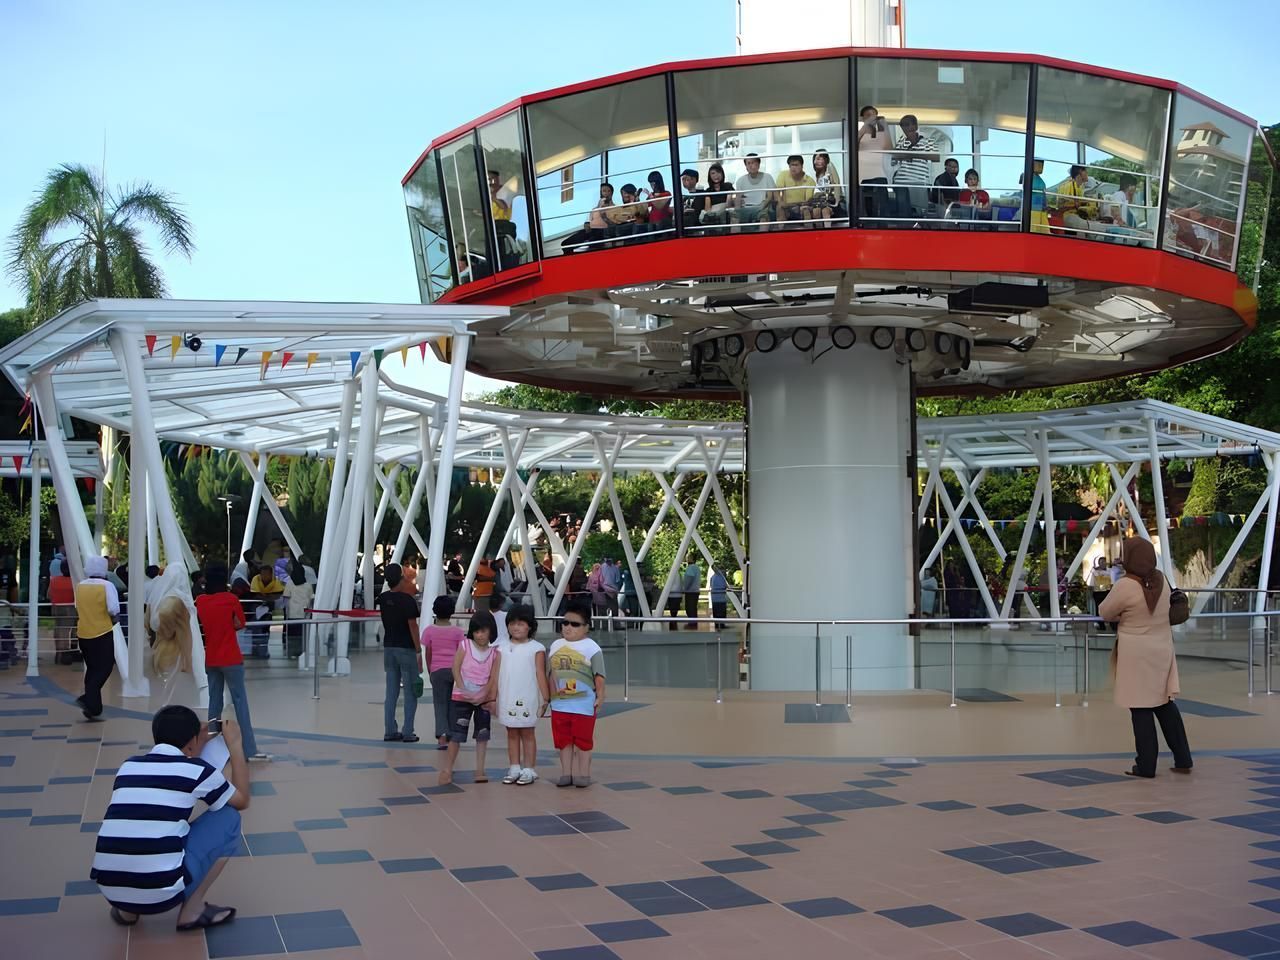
x=416 y=769
x=32 y=788
x=844 y=800
x=543 y=826
x=621 y=931
x=1089 y=813
x=1060 y=858
x=15 y=908
x=1016 y=809
x=656 y=899
x=684 y=791
x=29 y=732
x=592 y=821
x=317 y=930
x=474 y=874
x=57 y=781
x=922 y=916
x=1272 y=882
x=374 y=765
x=1199 y=709
x=6 y=761
x=262 y=788
x=594 y=952
x=717 y=893
x=332 y=823
x=1023 y=848
x=735 y=865
x=765 y=848
x=84 y=739
x=629 y=785
x=1163 y=816
x=790 y=833
x=273 y=844
x=873 y=784
x=1241 y=943
x=561 y=881
x=821 y=907
x=91 y=826
x=341 y=856
x=355 y=812
x=80 y=888
x=12 y=813
x=1012 y=865
x=108 y=772
x=55 y=820
x=244 y=937
x=1270 y=863
x=1272 y=905
x=1023 y=924
x=1272 y=846
x=410 y=801
x=976 y=854
x=811 y=713
x=809 y=819
x=1129 y=933
x=747 y=794
x=945 y=805
x=411 y=865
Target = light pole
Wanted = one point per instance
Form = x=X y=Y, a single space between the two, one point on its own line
x=229 y=499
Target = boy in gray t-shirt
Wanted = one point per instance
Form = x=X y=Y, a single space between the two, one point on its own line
x=754 y=199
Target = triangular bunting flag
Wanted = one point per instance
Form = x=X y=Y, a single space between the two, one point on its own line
x=151 y=344
x=174 y=343
x=218 y=350
x=404 y=356
x=311 y=358
x=240 y=352
x=17 y=462
x=285 y=358
x=25 y=424
x=266 y=359
x=26 y=404
x=88 y=484
x=355 y=358
x=422 y=349
x=377 y=358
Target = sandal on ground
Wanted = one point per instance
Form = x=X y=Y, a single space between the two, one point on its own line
x=565 y=782
x=582 y=781
x=512 y=775
x=480 y=778
x=209 y=918
x=118 y=916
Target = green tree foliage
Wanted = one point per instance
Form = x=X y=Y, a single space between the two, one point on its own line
x=195 y=483
x=307 y=501
x=80 y=239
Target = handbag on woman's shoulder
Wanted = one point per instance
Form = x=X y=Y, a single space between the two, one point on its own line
x=1179 y=607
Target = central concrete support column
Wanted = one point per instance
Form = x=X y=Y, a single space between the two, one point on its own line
x=830 y=514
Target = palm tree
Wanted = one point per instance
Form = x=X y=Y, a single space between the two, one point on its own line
x=79 y=240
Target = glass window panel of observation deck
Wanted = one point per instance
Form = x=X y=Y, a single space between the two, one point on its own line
x=1101 y=143
x=1206 y=182
x=1257 y=206
x=738 y=127
x=425 y=206
x=935 y=120
x=467 y=207
x=586 y=148
x=502 y=149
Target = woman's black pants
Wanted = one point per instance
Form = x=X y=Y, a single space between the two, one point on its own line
x=99 y=662
x=1144 y=736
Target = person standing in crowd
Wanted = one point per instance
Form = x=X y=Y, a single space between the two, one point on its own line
x=501 y=584
x=97 y=607
x=1143 y=661
x=220 y=616
x=149 y=858
x=482 y=589
x=576 y=665
x=401 y=649
x=874 y=144
x=299 y=594
x=523 y=694
x=244 y=570
x=911 y=174
x=1039 y=198
x=1099 y=582
x=675 y=596
x=55 y=565
x=171 y=653
x=269 y=593
x=454 y=574
x=62 y=595
x=719 y=589
x=595 y=588
x=440 y=643
x=611 y=584
x=475 y=688
x=928 y=592
x=691 y=586
x=1116 y=570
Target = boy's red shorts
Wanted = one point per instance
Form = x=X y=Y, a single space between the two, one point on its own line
x=572 y=729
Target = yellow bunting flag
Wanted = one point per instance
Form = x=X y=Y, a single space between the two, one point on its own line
x=404 y=356
x=311 y=358
x=174 y=343
x=266 y=359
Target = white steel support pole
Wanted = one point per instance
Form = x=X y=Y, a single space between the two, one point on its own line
x=444 y=473
x=491 y=521
x=99 y=516
x=76 y=535
x=668 y=495
x=1100 y=524
x=370 y=535
x=1269 y=538
x=965 y=547
x=388 y=494
x=255 y=502
x=331 y=542
x=587 y=520
x=259 y=472
x=1050 y=527
x=139 y=481
x=153 y=528
x=1202 y=596
x=362 y=479
x=410 y=515
x=1024 y=543
x=33 y=570
x=1157 y=491
x=1134 y=513
x=521 y=502
x=401 y=512
x=624 y=535
x=554 y=543
x=533 y=590
x=730 y=526
x=690 y=523
x=128 y=356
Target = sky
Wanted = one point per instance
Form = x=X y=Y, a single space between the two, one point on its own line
x=285 y=127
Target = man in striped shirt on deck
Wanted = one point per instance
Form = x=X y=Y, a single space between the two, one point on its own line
x=149 y=857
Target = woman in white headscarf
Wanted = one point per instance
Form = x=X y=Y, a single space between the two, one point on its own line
x=97 y=608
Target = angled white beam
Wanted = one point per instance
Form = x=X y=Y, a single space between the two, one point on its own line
x=1050 y=527
x=1269 y=539
x=75 y=525
x=1135 y=515
x=1100 y=524
x=440 y=504
x=491 y=521
x=406 y=526
x=587 y=520
x=33 y=571
x=1202 y=598
x=668 y=497
x=1020 y=559
x=945 y=497
x=533 y=591
x=624 y=535
x=410 y=516
x=259 y=474
x=730 y=526
x=1157 y=492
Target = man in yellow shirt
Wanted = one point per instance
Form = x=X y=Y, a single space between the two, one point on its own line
x=268 y=591
x=1077 y=212
x=795 y=187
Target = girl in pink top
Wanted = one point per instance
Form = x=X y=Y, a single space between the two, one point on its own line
x=440 y=642
x=475 y=687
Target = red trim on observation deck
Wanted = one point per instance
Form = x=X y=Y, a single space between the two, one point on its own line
x=792 y=56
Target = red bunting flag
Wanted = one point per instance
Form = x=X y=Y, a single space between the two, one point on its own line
x=285 y=358
x=422 y=349
x=26 y=404
x=17 y=462
x=151 y=344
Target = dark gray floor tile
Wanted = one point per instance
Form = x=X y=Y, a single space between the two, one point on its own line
x=814 y=713
x=419 y=768
x=821 y=907
x=874 y=783
x=440 y=790
x=808 y=819
x=790 y=833
x=594 y=952
x=1089 y=813
x=561 y=881
x=765 y=848
x=925 y=915
x=409 y=801
x=1198 y=708
x=1016 y=809
x=341 y=856
x=474 y=874
x=80 y=888
x=1023 y=924
x=1241 y=943
x=318 y=930
x=684 y=791
x=55 y=820
x=262 y=788
x=718 y=893
x=1164 y=816
x=14 y=908
x=735 y=865
x=621 y=931
x=945 y=805
x=58 y=781
x=273 y=844
x=1129 y=933
x=354 y=812
x=1022 y=848
x=543 y=826
x=983 y=695
x=629 y=785
x=15 y=813
x=244 y=937
x=410 y=865
x=331 y=823
x=747 y=794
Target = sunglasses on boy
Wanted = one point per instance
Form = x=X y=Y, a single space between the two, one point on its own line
x=573 y=623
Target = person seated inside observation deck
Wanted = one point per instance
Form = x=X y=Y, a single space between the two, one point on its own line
x=1070 y=200
x=713 y=202
x=974 y=203
x=948 y=185
x=753 y=201
x=690 y=201
x=827 y=199
x=659 y=208
x=629 y=218
x=795 y=188
x=1124 y=223
x=597 y=228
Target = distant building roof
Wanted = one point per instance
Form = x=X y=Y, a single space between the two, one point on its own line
x=1205 y=126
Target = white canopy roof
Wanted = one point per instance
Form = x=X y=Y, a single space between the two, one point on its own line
x=209 y=398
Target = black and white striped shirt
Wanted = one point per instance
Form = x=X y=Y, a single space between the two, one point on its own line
x=141 y=844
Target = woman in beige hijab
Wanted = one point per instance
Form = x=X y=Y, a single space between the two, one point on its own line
x=1146 y=672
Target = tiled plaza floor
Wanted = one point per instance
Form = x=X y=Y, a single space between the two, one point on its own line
x=350 y=851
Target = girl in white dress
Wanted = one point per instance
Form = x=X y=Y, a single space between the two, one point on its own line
x=522 y=693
